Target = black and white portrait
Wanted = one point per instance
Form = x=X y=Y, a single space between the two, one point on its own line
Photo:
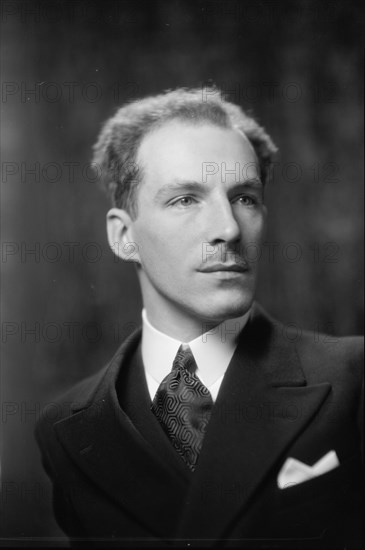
x=182 y=274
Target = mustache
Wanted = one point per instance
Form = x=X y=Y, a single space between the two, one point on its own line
x=223 y=254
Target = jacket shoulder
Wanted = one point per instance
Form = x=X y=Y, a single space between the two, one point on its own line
x=80 y=395
x=334 y=359
x=65 y=405
x=323 y=357
x=332 y=353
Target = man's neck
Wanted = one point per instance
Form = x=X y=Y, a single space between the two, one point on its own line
x=181 y=326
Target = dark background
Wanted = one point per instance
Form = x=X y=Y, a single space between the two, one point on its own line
x=67 y=66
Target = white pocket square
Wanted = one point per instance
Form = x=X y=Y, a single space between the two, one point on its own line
x=294 y=471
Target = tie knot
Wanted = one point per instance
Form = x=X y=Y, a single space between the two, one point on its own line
x=184 y=359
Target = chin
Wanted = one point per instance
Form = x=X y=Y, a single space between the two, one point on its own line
x=219 y=312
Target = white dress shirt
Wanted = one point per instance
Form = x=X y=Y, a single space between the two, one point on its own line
x=212 y=352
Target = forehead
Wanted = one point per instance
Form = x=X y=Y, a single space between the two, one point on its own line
x=180 y=149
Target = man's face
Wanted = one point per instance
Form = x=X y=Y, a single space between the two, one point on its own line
x=199 y=225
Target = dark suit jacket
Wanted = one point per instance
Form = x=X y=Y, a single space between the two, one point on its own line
x=117 y=478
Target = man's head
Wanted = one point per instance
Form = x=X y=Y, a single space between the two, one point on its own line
x=115 y=152
x=191 y=204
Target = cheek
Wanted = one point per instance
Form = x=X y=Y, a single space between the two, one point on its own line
x=158 y=245
x=260 y=227
x=253 y=227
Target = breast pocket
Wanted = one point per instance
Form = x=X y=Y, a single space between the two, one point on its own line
x=343 y=482
x=327 y=505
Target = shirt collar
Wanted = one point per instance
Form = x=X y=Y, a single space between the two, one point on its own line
x=212 y=350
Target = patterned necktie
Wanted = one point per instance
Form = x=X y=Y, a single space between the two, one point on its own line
x=183 y=406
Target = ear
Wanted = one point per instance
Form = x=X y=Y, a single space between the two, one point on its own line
x=120 y=235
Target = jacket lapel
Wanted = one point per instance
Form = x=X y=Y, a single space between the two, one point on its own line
x=135 y=400
x=262 y=406
x=104 y=443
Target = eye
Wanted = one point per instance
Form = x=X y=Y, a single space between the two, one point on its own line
x=185 y=201
x=246 y=200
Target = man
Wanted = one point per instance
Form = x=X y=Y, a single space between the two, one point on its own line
x=209 y=426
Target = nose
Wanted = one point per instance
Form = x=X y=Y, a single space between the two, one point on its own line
x=222 y=224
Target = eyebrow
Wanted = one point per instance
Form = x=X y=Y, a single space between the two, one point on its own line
x=186 y=185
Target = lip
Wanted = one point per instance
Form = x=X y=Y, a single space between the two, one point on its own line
x=215 y=268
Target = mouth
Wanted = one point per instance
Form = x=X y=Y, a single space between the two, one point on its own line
x=226 y=267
